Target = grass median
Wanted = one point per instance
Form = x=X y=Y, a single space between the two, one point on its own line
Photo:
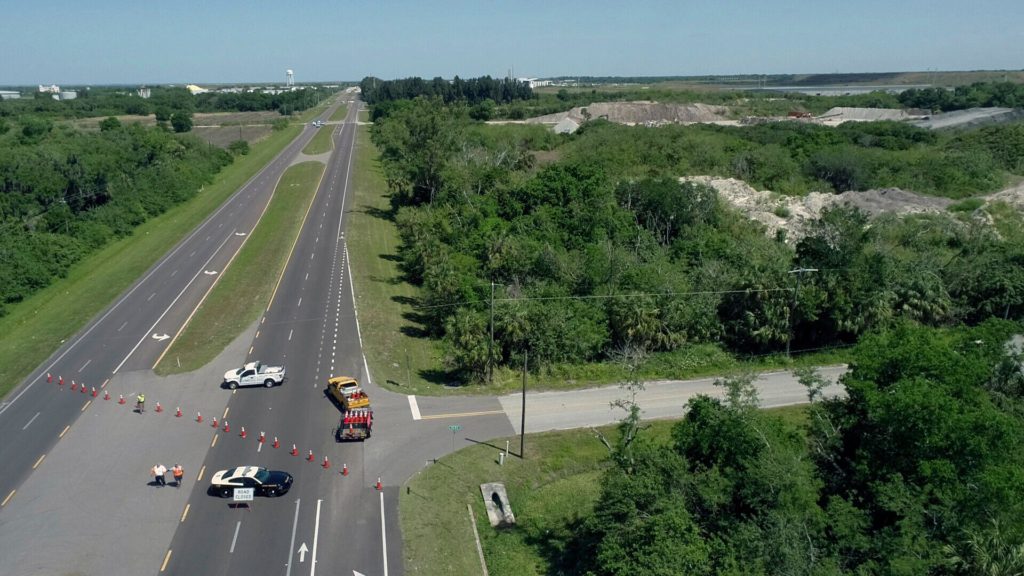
x=559 y=480
x=36 y=327
x=236 y=300
x=340 y=113
x=320 y=143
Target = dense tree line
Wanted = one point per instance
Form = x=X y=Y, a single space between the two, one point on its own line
x=165 y=101
x=472 y=91
x=605 y=249
x=917 y=470
x=66 y=193
x=979 y=94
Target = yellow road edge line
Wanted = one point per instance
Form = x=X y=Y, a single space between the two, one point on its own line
x=226 y=408
x=8 y=499
x=104 y=385
x=201 y=472
x=462 y=414
x=185 y=513
x=65 y=431
x=291 y=252
x=214 y=442
x=86 y=405
x=166 y=560
x=38 y=462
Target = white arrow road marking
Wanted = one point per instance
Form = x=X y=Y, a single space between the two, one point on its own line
x=239 y=233
x=357 y=573
x=210 y=272
x=302 y=552
x=160 y=337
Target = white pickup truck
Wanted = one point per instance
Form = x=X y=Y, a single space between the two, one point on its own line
x=254 y=374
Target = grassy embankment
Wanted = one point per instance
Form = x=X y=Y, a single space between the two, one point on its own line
x=235 y=301
x=37 y=326
x=557 y=481
x=320 y=143
x=340 y=113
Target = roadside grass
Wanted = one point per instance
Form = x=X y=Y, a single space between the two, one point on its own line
x=558 y=482
x=37 y=326
x=236 y=301
x=393 y=352
x=340 y=113
x=320 y=143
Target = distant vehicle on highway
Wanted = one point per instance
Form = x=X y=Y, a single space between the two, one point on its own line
x=317 y=123
x=254 y=374
x=269 y=483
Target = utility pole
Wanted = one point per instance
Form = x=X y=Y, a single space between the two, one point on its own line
x=792 y=307
x=490 y=345
x=522 y=421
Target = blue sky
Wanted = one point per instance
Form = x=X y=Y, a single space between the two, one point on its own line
x=215 y=41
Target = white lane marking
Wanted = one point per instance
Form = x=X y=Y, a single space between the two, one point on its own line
x=290 y=334
x=300 y=302
x=84 y=365
x=31 y=421
x=122 y=326
x=237 y=526
x=316 y=536
x=414 y=407
x=383 y=534
x=295 y=526
x=171 y=305
x=150 y=296
x=355 y=311
x=259 y=447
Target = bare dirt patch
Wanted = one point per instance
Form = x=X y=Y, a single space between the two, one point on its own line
x=640 y=113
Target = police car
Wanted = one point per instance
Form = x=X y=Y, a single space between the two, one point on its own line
x=266 y=482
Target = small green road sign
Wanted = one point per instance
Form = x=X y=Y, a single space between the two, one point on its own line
x=455 y=427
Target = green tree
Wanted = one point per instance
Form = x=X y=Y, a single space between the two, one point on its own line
x=181 y=121
x=109 y=123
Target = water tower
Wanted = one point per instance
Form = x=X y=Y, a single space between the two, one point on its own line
x=290 y=78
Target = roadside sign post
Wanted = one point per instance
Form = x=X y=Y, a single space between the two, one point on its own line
x=242 y=497
x=454 y=428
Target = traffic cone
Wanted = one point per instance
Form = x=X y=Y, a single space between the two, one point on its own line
x=243 y=432
x=227 y=427
x=49 y=378
x=83 y=387
x=214 y=424
x=60 y=380
x=276 y=443
x=379 y=487
x=344 y=469
x=295 y=451
x=106 y=395
x=199 y=416
x=177 y=413
x=310 y=458
x=159 y=408
x=327 y=463
x=262 y=438
x=94 y=393
x=73 y=386
x=120 y=398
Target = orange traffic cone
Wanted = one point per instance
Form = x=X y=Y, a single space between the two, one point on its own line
x=276 y=443
x=120 y=398
x=106 y=395
x=310 y=458
x=83 y=388
x=49 y=378
x=159 y=408
x=73 y=386
x=177 y=413
x=344 y=469
x=295 y=451
x=379 y=487
x=199 y=416
x=94 y=393
x=214 y=423
x=60 y=380
x=242 y=434
x=227 y=427
x=327 y=463
x=262 y=438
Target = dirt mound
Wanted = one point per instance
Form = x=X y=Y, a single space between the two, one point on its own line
x=794 y=213
x=649 y=113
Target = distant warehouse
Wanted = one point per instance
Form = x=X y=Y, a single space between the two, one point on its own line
x=9 y=95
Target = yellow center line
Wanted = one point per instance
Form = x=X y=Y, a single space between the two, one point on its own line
x=225 y=412
x=214 y=442
x=86 y=405
x=166 y=560
x=201 y=472
x=462 y=414
x=251 y=348
x=66 y=428
x=185 y=513
x=8 y=499
x=38 y=462
x=104 y=385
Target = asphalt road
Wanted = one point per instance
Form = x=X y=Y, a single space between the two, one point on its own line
x=87 y=497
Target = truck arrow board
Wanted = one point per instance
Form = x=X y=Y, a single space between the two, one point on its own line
x=302 y=552
x=160 y=337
